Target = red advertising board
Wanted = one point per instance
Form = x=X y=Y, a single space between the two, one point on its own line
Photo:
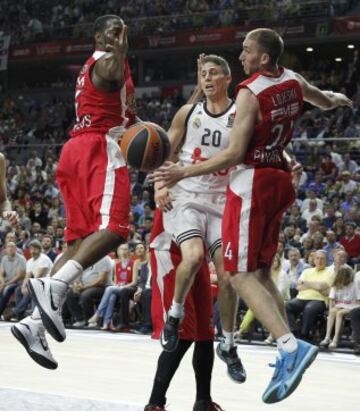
x=347 y=25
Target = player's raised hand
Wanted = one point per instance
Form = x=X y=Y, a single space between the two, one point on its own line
x=163 y=198
x=12 y=217
x=342 y=100
x=120 y=45
x=167 y=175
x=200 y=61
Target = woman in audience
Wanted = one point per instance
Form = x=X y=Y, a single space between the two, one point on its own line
x=125 y=278
x=342 y=300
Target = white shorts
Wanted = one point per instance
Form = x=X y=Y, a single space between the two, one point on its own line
x=195 y=215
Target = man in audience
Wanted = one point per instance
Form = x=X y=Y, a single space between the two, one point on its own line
x=295 y=269
x=87 y=289
x=143 y=296
x=311 y=211
x=12 y=272
x=313 y=286
x=330 y=246
x=38 y=266
x=351 y=243
x=311 y=195
x=47 y=245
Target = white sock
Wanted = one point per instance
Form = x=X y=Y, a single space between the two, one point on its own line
x=229 y=340
x=36 y=314
x=287 y=343
x=69 y=272
x=176 y=310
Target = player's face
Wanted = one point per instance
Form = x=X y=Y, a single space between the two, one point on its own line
x=250 y=57
x=214 y=83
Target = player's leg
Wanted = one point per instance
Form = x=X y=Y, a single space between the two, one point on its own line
x=97 y=207
x=192 y=256
x=227 y=297
x=256 y=205
x=167 y=365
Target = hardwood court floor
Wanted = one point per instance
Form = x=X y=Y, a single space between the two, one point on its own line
x=101 y=371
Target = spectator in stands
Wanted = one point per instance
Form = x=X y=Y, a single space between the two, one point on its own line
x=125 y=277
x=87 y=290
x=348 y=164
x=339 y=228
x=136 y=207
x=347 y=184
x=294 y=217
x=297 y=266
x=307 y=214
x=24 y=220
x=143 y=296
x=327 y=167
x=38 y=215
x=47 y=245
x=342 y=299
x=140 y=272
x=331 y=244
x=24 y=241
x=318 y=241
x=313 y=286
x=330 y=216
x=355 y=316
x=351 y=243
x=38 y=266
x=12 y=272
x=317 y=186
x=311 y=195
x=290 y=240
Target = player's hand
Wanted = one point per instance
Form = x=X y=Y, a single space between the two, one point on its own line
x=120 y=45
x=163 y=199
x=200 y=61
x=342 y=100
x=168 y=174
x=296 y=169
x=137 y=296
x=11 y=217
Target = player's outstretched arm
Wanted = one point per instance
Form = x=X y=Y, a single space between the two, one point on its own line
x=325 y=100
x=110 y=67
x=5 y=205
x=176 y=134
x=247 y=109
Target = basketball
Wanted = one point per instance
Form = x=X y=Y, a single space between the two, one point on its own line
x=145 y=146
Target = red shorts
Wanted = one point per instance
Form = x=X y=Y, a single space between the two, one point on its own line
x=94 y=182
x=255 y=203
x=165 y=257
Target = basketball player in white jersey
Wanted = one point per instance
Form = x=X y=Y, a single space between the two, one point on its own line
x=260 y=190
x=194 y=207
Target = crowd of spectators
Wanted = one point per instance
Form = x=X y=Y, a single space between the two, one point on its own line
x=34 y=20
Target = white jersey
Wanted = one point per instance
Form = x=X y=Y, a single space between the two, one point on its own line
x=206 y=135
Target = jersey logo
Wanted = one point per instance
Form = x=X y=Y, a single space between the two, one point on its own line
x=197 y=122
x=230 y=120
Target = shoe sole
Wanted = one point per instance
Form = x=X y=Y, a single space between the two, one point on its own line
x=46 y=319
x=39 y=359
x=228 y=373
x=294 y=383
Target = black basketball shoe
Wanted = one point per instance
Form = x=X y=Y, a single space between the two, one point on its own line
x=235 y=368
x=169 y=337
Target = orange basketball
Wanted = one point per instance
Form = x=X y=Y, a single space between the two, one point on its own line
x=145 y=146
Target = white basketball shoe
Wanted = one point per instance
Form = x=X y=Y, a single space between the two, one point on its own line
x=49 y=296
x=31 y=334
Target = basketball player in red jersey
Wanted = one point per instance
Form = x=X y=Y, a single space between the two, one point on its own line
x=93 y=180
x=260 y=190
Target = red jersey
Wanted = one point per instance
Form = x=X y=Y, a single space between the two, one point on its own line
x=280 y=100
x=101 y=111
x=123 y=272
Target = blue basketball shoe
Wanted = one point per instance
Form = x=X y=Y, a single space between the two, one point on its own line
x=289 y=369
